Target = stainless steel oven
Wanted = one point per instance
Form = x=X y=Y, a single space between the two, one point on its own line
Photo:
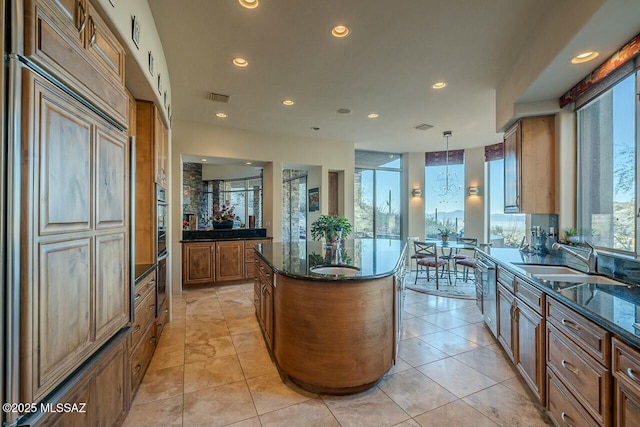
x=161 y=244
x=486 y=278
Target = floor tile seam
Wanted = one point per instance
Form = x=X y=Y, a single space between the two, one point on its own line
x=451 y=391
x=294 y=404
x=395 y=403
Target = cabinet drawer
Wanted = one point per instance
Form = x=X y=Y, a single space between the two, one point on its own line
x=563 y=408
x=583 y=376
x=249 y=269
x=249 y=252
x=626 y=365
x=506 y=278
x=148 y=284
x=589 y=336
x=103 y=47
x=145 y=313
x=529 y=294
x=265 y=270
x=141 y=357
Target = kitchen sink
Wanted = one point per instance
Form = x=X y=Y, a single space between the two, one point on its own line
x=558 y=273
x=337 y=270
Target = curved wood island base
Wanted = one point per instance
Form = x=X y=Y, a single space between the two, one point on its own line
x=334 y=337
x=331 y=334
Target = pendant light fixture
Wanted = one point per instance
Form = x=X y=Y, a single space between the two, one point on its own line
x=447 y=185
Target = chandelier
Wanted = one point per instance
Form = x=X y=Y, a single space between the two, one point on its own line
x=447 y=185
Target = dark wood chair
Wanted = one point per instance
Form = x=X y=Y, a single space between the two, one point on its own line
x=428 y=260
x=467 y=262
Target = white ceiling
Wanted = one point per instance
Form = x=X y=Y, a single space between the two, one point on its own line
x=395 y=52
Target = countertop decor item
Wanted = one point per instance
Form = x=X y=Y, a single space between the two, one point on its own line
x=332 y=228
x=222 y=217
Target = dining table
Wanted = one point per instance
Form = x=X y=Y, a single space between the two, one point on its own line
x=447 y=248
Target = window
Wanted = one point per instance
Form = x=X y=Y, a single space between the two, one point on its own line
x=505 y=230
x=444 y=194
x=377 y=195
x=607 y=145
x=294 y=205
x=244 y=195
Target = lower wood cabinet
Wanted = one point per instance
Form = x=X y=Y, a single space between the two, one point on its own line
x=529 y=347
x=263 y=289
x=102 y=388
x=219 y=261
x=626 y=373
x=505 y=302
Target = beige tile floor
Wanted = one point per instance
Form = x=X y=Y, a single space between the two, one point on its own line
x=211 y=368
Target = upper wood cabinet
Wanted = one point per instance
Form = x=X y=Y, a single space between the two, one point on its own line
x=529 y=166
x=71 y=41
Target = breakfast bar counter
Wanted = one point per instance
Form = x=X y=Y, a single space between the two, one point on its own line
x=331 y=330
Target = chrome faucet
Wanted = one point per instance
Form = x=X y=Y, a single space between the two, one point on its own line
x=590 y=259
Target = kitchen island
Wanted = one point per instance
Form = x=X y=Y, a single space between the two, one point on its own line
x=335 y=332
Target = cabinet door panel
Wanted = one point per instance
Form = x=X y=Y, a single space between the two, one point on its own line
x=104 y=48
x=511 y=170
x=111 y=388
x=65 y=149
x=112 y=286
x=111 y=191
x=229 y=260
x=505 y=320
x=529 y=351
x=627 y=406
x=198 y=263
x=63 y=308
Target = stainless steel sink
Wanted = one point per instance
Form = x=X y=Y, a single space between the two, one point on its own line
x=558 y=273
x=549 y=269
x=335 y=270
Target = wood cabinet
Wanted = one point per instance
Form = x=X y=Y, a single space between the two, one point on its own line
x=263 y=288
x=529 y=166
x=219 y=261
x=102 y=386
x=198 y=263
x=161 y=151
x=229 y=260
x=521 y=333
x=626 y=374
x=71 y=41
x=75 y=283
x=572 y=362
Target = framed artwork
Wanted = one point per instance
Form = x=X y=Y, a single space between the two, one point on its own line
x=151 y=63
x=186 y=194
x=159 y=83
x=314 y=199
x=135 y=32
x=113 y=3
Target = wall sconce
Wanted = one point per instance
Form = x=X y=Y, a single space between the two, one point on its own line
x=474 y=191
x=416 y=192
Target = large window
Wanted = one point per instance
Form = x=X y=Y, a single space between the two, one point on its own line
x=377 y=195
x=244 y=195
x=505 y=230
x=607 y=145
x=444 y=198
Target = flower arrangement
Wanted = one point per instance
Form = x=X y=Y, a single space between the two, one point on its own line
x=222 y=214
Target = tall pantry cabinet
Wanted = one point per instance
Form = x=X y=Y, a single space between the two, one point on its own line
x=73 y=159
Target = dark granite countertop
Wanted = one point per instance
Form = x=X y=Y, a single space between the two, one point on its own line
x=143 y=270
x=374 y=258
x=614 y=307
x=224 y=234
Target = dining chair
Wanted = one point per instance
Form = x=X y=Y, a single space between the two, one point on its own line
x=466 y=261
x=413 y=255
x=429 y=260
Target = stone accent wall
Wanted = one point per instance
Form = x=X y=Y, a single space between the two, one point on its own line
x=192 y=177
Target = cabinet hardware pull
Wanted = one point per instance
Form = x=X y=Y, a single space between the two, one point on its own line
x=632 y=374
x=569 y=367
x=83 y=15
x=571 y=324
x=152 y=306
x=152 y=340
x=137 y=369
x=137 y=297
x=166 y=310
x=566 y=419
x=92 y=40
x=136 y=329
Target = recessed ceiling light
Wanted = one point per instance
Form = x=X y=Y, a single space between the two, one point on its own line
x=240 y=62
x=343 y=110
x=288 y=102
x=203 y=160
x=249 y=4
x=315 y=128
x=221 y=115
x=584 y=57
x=340 y=31
x=248 y=163
x=439 y=85
x=372 y=115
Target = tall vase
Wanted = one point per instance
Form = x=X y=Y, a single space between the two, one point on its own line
x=332 y=239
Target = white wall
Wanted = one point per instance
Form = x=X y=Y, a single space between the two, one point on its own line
x=413 y=164
x=474 y=212
x=228 y=172
x=566 y=169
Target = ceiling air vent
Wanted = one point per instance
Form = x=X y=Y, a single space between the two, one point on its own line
x=424 y=126
x=217 y=97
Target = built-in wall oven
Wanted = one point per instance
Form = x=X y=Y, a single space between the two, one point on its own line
x=486 y=280
x=161 y=245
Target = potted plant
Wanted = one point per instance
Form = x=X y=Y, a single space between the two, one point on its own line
x=571 y=235
x=332 y=228
x=446 y=228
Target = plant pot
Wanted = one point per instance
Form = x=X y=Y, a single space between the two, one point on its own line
x=224 y=225
x=445 y=238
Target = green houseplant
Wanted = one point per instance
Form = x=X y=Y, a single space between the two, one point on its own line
x=446 y=228
x=332 y=228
